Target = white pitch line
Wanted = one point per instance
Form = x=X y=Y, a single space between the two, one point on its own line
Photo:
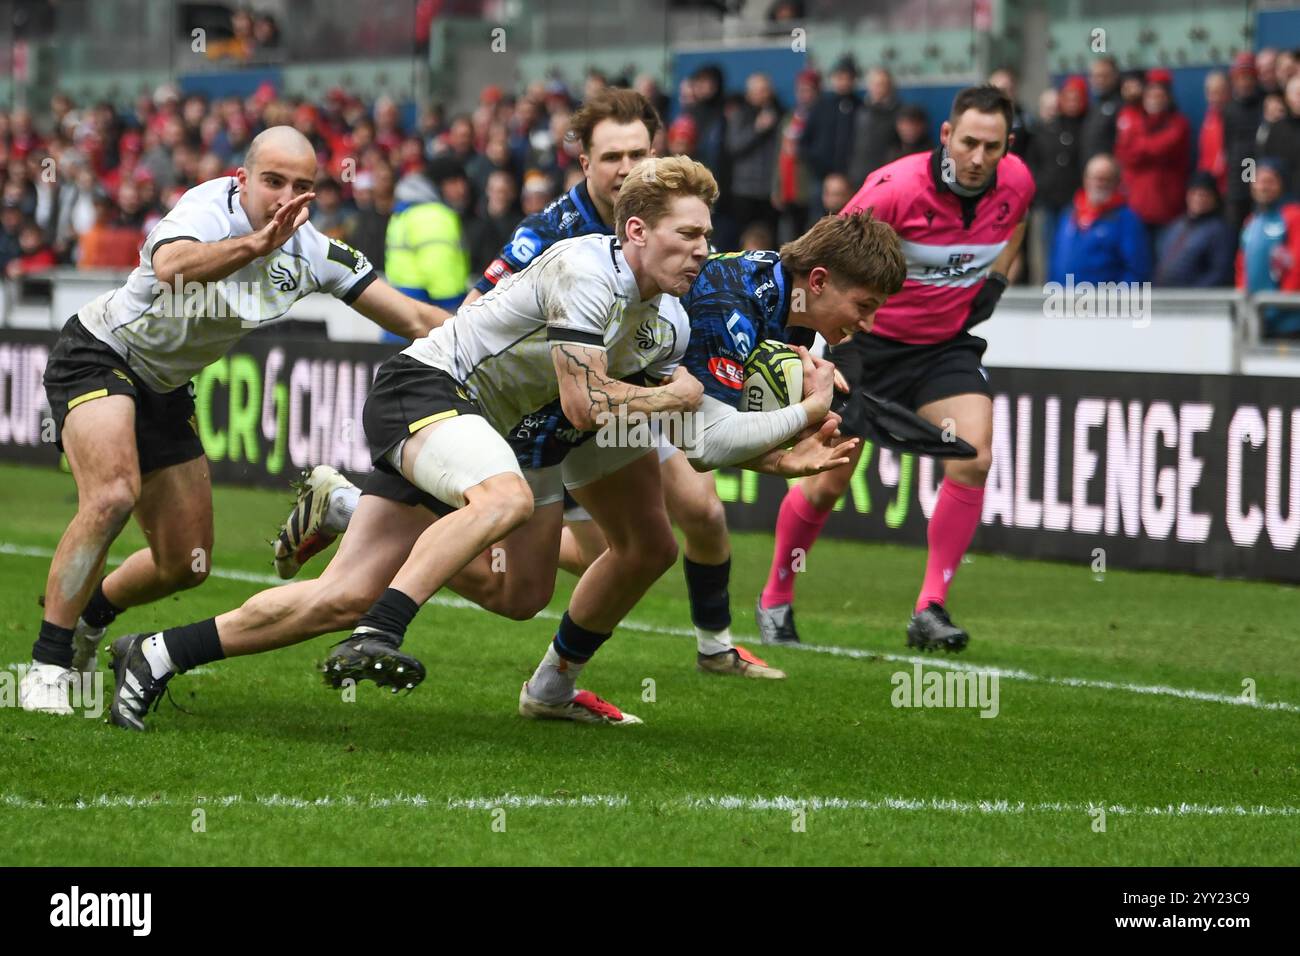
x=784 y=804
x=459 y=603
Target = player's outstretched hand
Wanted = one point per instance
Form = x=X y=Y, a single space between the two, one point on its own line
x=283 y=224
x=820 y=451
x=686 y=389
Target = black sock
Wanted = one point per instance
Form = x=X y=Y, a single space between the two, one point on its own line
x=575 y=643
x=99 y=611
x=392 y=614
x=53 y=645
x=710 y=600
x=193 y=644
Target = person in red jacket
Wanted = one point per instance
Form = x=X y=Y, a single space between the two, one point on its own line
x=1213 y=159
x=1154 y=151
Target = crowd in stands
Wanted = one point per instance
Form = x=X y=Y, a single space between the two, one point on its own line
x=1126 y=189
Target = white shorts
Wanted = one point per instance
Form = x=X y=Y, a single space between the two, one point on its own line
x=590 y=462
x=547 y=485
x=666 y=449
x=460 y=453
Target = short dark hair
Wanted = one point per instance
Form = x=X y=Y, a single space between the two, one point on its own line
x=983 y=99
x=617 y=104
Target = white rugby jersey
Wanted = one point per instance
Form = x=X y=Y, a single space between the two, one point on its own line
x=580 y=290
x=167 y=335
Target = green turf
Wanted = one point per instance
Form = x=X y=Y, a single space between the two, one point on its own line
x=414 y=780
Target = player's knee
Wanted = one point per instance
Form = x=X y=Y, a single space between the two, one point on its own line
x=972 y=471
x=656 y=553
x=186 y=571
x=705 y=519
x=110 y=504
x=528 y=602
x=505 y=507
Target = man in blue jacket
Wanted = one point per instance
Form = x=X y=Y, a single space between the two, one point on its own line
x=1196 y=250
x=1101 y=239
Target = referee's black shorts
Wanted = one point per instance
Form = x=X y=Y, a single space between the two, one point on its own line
x=913 y=375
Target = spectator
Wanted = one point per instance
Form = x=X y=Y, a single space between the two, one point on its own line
x=489 y=233
x=1287 y=66
x=1154 y=150
x=374 y=197
x=790 y=183
x=827 y=141
x=107 y=244
x=756 y=237
x=836 y=192
x=1100 y=239
x=1005 y=79
x=537 y=193
x=328 y=212
x=1196 y=250
x=11 y=225
x=1242 y=116
x=1283 y=141
x=424 y=256
x=1099 y=130
x=752 y=144
x=913 y=130
x=1211 y=156
x=648 y=87
x=241 y=44
x=36 y=255
x=875 y=136
x=1055 y=158
x=496 y=157
x=459 y=141
x=1266 y=70
x=1269 y=256
x=681 y=136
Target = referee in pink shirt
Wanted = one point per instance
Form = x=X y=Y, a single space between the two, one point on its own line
x=960 y=213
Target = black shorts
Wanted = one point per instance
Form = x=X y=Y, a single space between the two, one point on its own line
x=387 y=484
x=406 y=396
x=81 y=368
x=912 y=375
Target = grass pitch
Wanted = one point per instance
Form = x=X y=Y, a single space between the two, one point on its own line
x=1120 y=695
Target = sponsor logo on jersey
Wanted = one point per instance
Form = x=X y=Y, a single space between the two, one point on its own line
x=738 y=330
x=645 y=335
x=727 y=371
x=497 y=271
x=282 y=278
x=524 y=245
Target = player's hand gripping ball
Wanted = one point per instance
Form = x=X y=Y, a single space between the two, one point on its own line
x=773 y=377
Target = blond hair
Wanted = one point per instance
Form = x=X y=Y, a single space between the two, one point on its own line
x=653 y=184
x=855 y=249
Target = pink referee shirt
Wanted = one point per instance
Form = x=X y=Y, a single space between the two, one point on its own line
x=949 y=242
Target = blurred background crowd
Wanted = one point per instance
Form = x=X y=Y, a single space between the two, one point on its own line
x=1128 y=189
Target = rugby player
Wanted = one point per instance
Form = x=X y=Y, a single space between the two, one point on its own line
x=235 y=252
x=960 y=213
x=616 y=128
x=587 y=310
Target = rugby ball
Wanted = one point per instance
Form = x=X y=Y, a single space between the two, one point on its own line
x=773 y=378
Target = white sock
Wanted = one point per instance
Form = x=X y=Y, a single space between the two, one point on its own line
x=155 y=652
x=713 y=642
x=555 y=680
x=343 y=501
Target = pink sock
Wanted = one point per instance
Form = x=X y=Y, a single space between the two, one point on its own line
x=952 y=526
x=797 y=526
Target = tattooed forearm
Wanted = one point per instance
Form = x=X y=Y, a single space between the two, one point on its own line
x=587 y=392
